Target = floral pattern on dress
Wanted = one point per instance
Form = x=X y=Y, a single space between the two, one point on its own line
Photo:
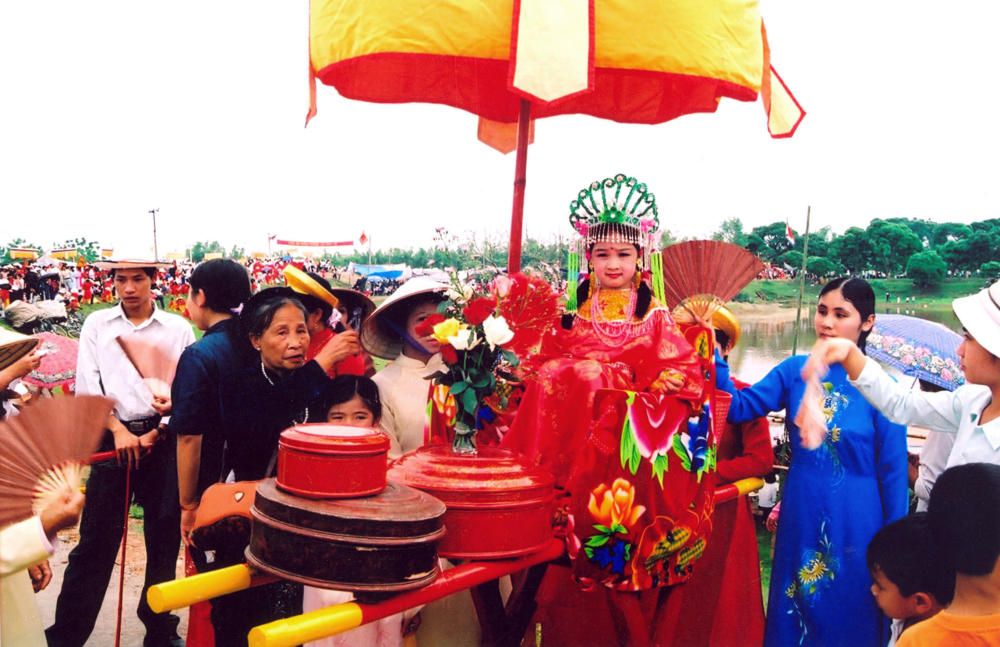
x=817 y=571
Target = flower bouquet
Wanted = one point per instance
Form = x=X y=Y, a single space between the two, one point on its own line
x=481 y=337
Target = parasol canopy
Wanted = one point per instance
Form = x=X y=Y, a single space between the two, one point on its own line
x=919 y=348
x=58 y=366
x=605 y=58
x=633 y=61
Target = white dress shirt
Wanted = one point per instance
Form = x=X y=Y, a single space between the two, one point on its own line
x=957 y=412
x=102 y=367
x=933 y=460
x=22 y=544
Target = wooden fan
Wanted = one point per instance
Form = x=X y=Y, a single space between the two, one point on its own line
x=703 y=274
x=155 y=364
x=45 y=448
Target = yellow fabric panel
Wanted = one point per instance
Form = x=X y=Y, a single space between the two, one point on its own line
x=712 y=38
x=344 y=29
x=785 y=113
x=553 y=48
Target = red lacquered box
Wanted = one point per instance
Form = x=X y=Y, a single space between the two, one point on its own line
x=322 y=461
x=499 y=505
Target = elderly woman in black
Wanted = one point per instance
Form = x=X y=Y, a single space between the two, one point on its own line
x=278 y=383
x=275 y=389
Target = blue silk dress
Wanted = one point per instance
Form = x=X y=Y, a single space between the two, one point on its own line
x=835 y=499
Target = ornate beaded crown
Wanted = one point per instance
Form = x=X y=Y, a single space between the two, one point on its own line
x=617 y=210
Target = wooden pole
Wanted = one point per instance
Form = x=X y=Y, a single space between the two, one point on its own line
x=520 y=179
x=802 y=283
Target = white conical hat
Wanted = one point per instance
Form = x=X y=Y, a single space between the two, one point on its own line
x=14 y=346
x=374 y=337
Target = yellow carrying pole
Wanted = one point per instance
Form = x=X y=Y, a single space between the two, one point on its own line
x=198 y=588
x=308 y=626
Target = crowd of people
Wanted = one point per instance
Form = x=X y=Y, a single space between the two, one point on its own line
x=851 y=566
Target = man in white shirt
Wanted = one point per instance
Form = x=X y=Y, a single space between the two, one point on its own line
x=137 y=433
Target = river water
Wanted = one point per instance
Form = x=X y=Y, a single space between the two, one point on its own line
x=764 y=343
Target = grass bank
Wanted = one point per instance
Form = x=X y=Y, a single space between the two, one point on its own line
x=787 y=292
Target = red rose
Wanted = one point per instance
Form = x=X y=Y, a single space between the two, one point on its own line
x=478 y=309
x=448 y=354
x=426 y=327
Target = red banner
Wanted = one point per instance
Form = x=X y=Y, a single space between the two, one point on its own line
x=302 y=243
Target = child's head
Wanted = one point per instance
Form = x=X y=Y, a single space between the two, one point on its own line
x=980 y=350
x=219 y=285
x=846 y=309
x=964 y=517
x=908 y=580
x=353 y=401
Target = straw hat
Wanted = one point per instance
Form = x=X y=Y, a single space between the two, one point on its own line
x=375 y=339
x=724 y=319
x=131 y=264
x=307 y=285
x=14 y=346
x=980 y=315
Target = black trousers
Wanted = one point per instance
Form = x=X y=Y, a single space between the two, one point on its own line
x=154 y=487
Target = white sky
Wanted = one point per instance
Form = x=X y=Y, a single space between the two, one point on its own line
x=111 y=108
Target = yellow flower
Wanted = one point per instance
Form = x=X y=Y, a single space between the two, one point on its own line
x=813 y=571
x=614 y=505
x=447 y=328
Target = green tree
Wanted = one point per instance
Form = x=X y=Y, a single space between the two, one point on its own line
x=924 y=229
x=768 y=241
x=990 y=270
x=927 y=269
x=821 y=266
x=197 y=251
x=852 y=250
x=949 y=231
x=792 y=258
x=17 y=242
x=237 y=252
x=731 y=231
x=891 y=246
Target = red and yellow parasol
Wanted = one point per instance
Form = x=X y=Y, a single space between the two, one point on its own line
x=510 y=60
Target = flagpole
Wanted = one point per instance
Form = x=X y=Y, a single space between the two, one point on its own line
x=802 y=282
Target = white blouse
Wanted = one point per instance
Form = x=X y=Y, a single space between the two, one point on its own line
x=957 y=412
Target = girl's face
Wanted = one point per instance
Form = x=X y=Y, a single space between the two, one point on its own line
x=979 y=365
x=614 y=264
x=353 y=413
x=837 y=317
x=416 y=317
x=283 y=345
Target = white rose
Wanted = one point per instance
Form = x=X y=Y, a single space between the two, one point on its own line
x=497 y=331
x=460 y=297
x=466 y=339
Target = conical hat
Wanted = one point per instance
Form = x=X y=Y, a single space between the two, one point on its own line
x=355 y=299
x=374 y=338
x=131 y=264
x=14 y=346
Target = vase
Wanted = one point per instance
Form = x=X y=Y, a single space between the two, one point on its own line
x=464 y=442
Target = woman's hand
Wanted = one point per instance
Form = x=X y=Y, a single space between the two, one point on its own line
x=340 y=347
x=188 y=516
x=63 y=512
x=835 y=350
x=772 y=519
x=41 y=575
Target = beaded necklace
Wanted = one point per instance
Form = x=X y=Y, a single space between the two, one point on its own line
x=305 y=415
x=613 y=333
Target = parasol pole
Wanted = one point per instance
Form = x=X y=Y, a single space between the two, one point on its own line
x=520 y=178
x=802 y=282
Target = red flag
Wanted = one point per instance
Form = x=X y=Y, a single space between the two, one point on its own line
x=789 y=234
x=363 y=238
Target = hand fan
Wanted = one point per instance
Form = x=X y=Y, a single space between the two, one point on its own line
x=155 y=364
x=706 y=273
x=45 y=447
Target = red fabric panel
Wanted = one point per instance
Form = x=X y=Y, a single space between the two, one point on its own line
x=479 y=86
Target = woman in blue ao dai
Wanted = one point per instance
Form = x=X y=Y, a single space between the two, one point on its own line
x=836 y=497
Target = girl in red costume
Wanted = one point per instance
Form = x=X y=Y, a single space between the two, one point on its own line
x=620 y=338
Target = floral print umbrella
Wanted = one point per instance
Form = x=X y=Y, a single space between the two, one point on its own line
x=58 y=367
x=919 y=348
